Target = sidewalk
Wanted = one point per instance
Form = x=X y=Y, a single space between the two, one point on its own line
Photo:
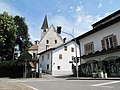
x=91 y=78
x=5 y=85
x=80 y=78
x=70 y=77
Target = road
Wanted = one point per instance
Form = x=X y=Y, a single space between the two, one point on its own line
x=63 y=84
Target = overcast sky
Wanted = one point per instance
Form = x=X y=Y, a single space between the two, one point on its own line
x=75 y=16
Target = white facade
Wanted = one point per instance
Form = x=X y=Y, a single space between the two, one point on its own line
x=100 y=47
x=59 y=65
x=98 y=36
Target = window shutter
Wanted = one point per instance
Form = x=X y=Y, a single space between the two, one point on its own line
x=115 y=40
x=103 y=44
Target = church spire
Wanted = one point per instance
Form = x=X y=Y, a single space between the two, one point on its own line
x=45 y=23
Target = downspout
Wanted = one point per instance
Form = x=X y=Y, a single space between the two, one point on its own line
x=80 y=51
x=51 y=61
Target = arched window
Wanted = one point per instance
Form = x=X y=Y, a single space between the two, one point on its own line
x=55 y=41
x=47 y=41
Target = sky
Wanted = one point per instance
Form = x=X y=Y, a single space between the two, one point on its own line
x=75 y=16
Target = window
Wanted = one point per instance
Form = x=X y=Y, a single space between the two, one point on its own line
x=55 y=41
x=47 y=41
x=42 y=58
x=60 y=56
x=89 y=48
x=48 y=56
x=40 y=65
x=47 y=66
x=72 y=57
x=109 y=42
x=58 y=67
x=47 y=46
x=34 y=54
x=72 y=49
x=65 y=48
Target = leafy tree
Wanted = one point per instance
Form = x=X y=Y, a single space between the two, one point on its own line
x=13 y=32
x=25 y=57
x=22 y=36
x=7 y=36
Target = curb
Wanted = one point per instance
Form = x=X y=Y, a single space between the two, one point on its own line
x=80 y=78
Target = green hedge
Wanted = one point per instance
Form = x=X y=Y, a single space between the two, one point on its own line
x=12 y=69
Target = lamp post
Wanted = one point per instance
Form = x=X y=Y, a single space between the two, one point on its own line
x=59 y=32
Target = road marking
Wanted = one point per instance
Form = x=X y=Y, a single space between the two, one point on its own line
x=5 y=89
x=107 y=83
x=31 y=87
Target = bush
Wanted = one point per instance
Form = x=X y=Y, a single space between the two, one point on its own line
x=12 y=69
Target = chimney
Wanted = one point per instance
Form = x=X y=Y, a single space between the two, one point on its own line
x=59 y=29
x=36 y=42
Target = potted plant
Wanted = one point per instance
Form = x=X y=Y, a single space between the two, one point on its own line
x=100 y=73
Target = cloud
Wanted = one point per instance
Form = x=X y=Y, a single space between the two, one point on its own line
x=10 y=9
x=79 y=8
x=82 y=22
x=100 y=5
x=79 y=26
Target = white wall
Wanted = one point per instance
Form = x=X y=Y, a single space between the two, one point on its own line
x=51 y=35
x=98 y=36
x=65 y=66
x=45 y=61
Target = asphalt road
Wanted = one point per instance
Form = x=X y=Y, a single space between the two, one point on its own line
x=63 y=84
x=76 y=85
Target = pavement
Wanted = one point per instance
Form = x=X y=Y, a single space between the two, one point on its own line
x=5 y=84
x=80 y=78
x=91 y=78
x=47 y=76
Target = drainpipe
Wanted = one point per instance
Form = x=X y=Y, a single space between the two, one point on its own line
x=51 y=62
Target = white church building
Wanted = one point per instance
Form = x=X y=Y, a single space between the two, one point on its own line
x=54 y=53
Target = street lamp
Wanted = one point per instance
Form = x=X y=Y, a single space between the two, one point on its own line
x=76 y=61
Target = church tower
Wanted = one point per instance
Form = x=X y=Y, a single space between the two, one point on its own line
x=49 y=37
x=44 y=27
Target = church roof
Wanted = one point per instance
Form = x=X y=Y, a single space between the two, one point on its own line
x=34 y=47
x=45 y=23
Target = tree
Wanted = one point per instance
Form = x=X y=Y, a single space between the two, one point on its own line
x=7 y=36
x=22 y=36
x=25 y=57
